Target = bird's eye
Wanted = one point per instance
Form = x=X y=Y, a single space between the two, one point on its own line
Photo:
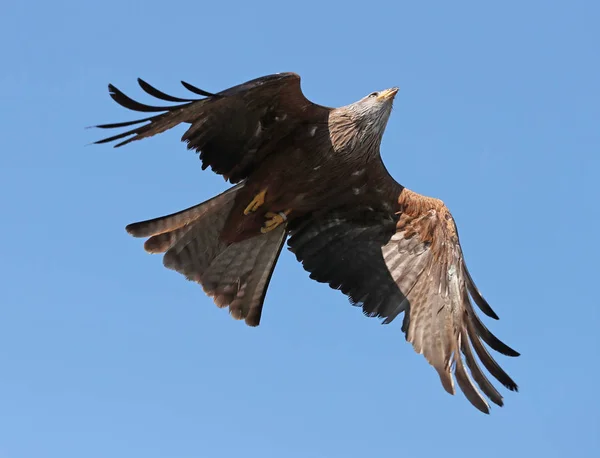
x=373 y=94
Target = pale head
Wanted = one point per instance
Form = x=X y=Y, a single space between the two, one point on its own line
x=358 y=128
x=373 y=111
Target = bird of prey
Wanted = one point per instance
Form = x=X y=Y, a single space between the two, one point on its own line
x=313 y=175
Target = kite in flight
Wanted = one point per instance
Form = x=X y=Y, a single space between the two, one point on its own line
x=314 y=176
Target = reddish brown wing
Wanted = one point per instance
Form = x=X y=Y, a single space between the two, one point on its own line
x=411 y=262
x=232 y=130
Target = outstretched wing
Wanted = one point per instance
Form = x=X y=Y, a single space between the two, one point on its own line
x=409 y=262
x=233 y=130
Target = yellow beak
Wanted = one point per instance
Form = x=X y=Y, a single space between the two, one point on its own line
x=388 y=94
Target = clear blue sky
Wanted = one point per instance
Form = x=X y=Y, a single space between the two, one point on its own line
x=105 y=353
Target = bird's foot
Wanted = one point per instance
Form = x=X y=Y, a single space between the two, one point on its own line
x=258 y=200
x=274 y=220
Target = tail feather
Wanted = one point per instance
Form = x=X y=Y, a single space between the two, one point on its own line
x=250 y=299
x=181 y=218
x=236 y=275
x=162 y=242
x=239 y=275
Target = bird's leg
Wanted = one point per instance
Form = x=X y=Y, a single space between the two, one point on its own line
x=258 y=200
x=274 y=220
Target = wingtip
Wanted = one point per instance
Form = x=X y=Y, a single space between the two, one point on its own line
x=133 y=229
x=510 y=352
x=447 y=381
x=197 y=90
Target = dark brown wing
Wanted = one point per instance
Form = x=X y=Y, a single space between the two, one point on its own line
x=409 y=262
x=233 y=130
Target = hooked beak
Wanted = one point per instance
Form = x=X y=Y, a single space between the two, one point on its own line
x=388 y=94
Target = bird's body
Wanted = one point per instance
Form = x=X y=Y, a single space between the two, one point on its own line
x=314 y=174
x=304 y=177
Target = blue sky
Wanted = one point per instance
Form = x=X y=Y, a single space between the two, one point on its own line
x=106 y=353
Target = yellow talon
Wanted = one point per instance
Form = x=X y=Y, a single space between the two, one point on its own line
x=258 y=200
x=274 y=220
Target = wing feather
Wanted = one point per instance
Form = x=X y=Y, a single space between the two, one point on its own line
x=489 y=338
x=490 y=363
x=477 y=297
x=151 y=90
x=197 y=91
x=411 y=262
x=478 y=375
x=127 y=102
x=233 y=130
x=465 y=382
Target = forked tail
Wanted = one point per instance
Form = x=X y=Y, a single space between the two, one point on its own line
x=233 y=274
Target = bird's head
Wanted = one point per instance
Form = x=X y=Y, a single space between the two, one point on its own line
x=371 y=113
x=360 y=125
x=385 y=97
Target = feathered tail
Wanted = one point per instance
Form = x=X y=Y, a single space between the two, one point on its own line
x=233 y=274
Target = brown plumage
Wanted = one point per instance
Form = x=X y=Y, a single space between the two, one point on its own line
x=314 y=175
